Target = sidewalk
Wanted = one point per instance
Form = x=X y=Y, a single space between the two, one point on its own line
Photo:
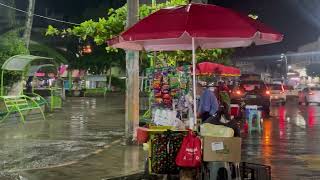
x=114 y=162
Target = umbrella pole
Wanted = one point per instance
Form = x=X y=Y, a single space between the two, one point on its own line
x=192 y=123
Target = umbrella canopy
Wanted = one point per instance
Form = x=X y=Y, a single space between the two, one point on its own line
x=192 y=26
x=230 y=71
x=211 y=27
x=209 y=68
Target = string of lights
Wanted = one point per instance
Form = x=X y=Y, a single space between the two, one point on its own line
x=40 y=16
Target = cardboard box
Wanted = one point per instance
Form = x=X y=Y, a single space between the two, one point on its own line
x=221 y=149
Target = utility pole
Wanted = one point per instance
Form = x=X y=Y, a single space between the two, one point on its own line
x=132 y=89
x=29 y=22
x=285 y=59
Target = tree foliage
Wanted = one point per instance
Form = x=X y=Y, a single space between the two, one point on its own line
x=100 y=61
x=114 y=24
x=40 y=49
x=10 y=45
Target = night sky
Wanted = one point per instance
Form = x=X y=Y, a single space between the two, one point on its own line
x=298 y=20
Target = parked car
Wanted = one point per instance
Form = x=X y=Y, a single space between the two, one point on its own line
x=291 y=92
x=252 y=92
x=301 y=87
x=277 y=93
x=309 y=95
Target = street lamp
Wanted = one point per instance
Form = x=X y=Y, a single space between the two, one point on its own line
x=284 y=58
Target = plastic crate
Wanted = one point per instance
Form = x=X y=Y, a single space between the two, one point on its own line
x=251 y=171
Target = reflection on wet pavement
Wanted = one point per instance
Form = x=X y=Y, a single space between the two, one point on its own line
x=290 y=142
x=83 y=141
x=83 y=128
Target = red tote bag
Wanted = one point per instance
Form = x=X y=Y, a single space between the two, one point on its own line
x=189 y=154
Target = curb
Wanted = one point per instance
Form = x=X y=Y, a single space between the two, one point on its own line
x=134 y=176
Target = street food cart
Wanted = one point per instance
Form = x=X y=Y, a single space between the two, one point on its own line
x=191 y=27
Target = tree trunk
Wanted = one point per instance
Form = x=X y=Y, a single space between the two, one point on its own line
x=11 y=14
x=132 y=89
x=29 y=22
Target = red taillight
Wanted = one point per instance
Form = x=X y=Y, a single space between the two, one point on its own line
x=238 y=92
x=267 y=92
x=310 y=93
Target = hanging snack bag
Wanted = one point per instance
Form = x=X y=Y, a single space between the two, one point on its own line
x=158 y=101
x=165 y=87
x=165 y=78
x=166 y=96
x=174 y=93
x=157 y=93
x=174 y=81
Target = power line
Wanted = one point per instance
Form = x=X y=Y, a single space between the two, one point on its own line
x=37 y=15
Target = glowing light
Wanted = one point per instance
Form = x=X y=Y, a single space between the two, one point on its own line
x=87 y=49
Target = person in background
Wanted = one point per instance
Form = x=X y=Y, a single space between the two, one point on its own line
x=224 y=96
x=29 y=84
x=208 y=104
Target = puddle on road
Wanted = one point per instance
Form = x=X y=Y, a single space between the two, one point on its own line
x=289 y=142
x=312 y=161
x=82 y=127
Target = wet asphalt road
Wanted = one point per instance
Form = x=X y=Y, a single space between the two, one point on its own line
x=83 y=127
x=81 y=141
x=289 y=143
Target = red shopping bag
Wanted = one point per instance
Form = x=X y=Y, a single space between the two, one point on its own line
x=189 y=154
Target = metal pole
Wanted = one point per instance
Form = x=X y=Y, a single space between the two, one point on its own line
x=284 y=58
x=132 y=89
x=286 y=75
x=194 y=86
x=70 y=81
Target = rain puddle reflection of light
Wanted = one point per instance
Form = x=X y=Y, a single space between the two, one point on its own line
x=267 y=141
x=300 y=121
x=282 y=122
x=311 y=116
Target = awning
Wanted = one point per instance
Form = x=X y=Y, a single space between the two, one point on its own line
x=34 y=69
x=20 y=62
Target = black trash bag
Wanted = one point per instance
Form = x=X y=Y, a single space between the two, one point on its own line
x=233 y=124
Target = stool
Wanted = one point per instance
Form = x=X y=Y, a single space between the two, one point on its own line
x=234 y=110
x=254 y=120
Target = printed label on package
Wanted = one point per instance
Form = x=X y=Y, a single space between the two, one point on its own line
x=216 y=146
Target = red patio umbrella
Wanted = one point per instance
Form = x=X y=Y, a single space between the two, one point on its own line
x=191 y=26
x=210 y=68
x=209 y=25
x=230 y=71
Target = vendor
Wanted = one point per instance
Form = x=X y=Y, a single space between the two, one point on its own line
x=224 y=96
x=208 y=104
